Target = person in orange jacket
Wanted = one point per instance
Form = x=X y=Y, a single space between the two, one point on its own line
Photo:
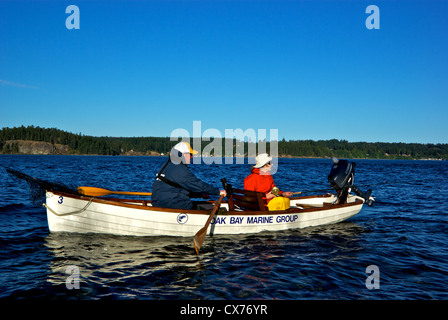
x=260 y=178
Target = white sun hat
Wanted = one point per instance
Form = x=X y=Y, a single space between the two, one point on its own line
x=184 y=147
x=261 y=160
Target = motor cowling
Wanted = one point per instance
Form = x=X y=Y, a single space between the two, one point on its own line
x=342 y=174
x=341 y=178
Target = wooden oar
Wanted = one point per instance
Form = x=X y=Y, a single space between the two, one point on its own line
x=199 y=238
x=98 y=192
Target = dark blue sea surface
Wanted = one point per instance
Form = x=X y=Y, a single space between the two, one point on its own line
x=404 y=236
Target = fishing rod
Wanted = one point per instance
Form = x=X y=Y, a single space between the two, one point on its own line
x=367 y=196
x=276 y=191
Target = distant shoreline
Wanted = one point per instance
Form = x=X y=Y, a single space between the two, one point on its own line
x=280 y=157
x=36 y=140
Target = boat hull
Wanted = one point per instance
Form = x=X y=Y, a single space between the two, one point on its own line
x=82 y=214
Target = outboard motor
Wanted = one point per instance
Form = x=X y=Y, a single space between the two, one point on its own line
x=341 y=178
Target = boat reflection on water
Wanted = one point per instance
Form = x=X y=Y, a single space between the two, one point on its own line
x=107 y=261
x=240 y=266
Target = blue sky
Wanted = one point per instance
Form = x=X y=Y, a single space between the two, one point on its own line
x=310 y=69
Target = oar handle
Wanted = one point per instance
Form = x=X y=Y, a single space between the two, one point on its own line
x=133 y=193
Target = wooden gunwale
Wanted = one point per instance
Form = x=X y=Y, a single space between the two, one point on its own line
x=144 y=205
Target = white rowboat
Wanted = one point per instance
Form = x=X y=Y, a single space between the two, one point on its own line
x=84 y=214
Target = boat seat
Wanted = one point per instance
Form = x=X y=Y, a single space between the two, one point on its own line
x=247 y=200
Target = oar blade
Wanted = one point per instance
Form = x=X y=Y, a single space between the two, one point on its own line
x=98 y=192
x=199 y=238
x=93 y=192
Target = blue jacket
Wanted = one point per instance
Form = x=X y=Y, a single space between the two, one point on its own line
x=167 y=196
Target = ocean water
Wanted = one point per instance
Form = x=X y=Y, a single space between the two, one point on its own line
x=403 y=239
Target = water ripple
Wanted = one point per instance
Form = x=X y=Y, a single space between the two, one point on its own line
x=404 y=235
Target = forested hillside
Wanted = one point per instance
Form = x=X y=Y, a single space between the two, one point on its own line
x=81 y=144
x=78 y=143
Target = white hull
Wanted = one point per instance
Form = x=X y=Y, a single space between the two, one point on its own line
x=82 y=214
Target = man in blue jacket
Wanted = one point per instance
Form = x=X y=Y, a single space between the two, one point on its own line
x=175 y=182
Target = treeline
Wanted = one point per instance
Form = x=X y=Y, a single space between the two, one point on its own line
x=369 y=150
x=82 y=144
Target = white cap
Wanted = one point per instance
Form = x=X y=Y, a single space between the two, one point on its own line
x=262 y=159
x=184 y=147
